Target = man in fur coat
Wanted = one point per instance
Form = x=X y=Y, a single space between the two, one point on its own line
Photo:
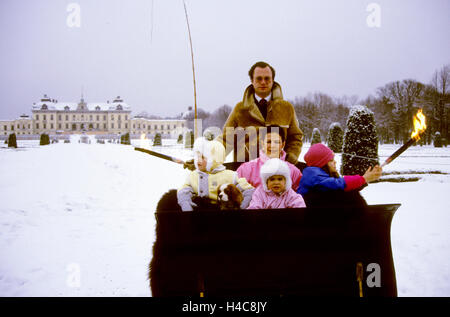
x=262 y=106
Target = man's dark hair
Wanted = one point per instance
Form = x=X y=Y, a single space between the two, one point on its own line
x=276 y=129
x=262 y=65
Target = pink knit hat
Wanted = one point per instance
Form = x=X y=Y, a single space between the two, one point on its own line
x=318 y=155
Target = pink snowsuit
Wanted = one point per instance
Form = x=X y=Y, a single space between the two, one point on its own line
x=250 y=170
x=263 y=199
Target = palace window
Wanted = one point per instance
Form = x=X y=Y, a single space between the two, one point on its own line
x=66 y=108
x=37 y=125
x=45 y=117
x=112 y=118
x=45 y=126
x=44 y=107
x=59 y=126
x=112 y=125
x=67 y=118
x=37 y=117
x=67 y=126
x=126 y=125
x=90 y=117
x=98 y=117
x=51 y=117
x=51 y=125
x=59 y=117
x=104 y=126
x=104 y=118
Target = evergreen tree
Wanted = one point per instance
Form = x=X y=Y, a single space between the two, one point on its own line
x=157 y=140
x=189 y=139
x=361 y=140
x=125 y=139
x=316 y=137
x=180 y=139
x=12 y=141
x=437 y=139
x=335 y=137
x=45 y=139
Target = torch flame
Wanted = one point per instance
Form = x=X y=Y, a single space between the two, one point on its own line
x=145 y=143
x=419 y=125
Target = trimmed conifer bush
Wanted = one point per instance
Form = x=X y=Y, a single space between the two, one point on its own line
x=335 y=137
x=125 y=139
x=437 y=139
x=189 y=139
x=360 y=147
x=180 y=139
x=45 y=139
x=12 y=140
x=157 y=140
x=316 y=137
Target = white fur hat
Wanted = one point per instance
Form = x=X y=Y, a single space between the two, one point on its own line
x=214 y=152
x=272 y=167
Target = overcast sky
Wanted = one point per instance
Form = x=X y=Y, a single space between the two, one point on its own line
x=139 y=49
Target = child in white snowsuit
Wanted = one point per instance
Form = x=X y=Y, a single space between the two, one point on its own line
x=209 y=174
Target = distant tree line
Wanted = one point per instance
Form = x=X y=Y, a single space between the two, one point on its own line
x=398 y=101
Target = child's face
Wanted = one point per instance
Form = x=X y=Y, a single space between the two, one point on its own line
x=332 y=166
x=201 y=162
x=276 y=183
x=273 y=145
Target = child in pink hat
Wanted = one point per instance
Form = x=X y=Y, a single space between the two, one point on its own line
x=275 y=190
x=321 y=176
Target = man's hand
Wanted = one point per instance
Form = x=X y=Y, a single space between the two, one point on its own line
x=372 y=174
x=189 y=165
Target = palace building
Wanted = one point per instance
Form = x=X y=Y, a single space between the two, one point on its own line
x=111 y=118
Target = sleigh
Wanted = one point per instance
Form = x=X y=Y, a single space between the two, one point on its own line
x=343 y=251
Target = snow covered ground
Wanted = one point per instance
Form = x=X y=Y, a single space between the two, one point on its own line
x=77 y=219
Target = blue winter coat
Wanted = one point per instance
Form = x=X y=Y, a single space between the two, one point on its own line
x=317 y=178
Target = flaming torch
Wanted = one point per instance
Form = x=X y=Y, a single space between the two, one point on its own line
x=419 y=127
x=145 y=148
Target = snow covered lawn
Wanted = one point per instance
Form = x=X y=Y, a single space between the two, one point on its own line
x=77 y=219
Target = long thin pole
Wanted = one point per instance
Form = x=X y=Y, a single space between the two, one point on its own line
x=193 y=72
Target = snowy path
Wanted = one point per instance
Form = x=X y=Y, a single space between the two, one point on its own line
x=74 y=207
